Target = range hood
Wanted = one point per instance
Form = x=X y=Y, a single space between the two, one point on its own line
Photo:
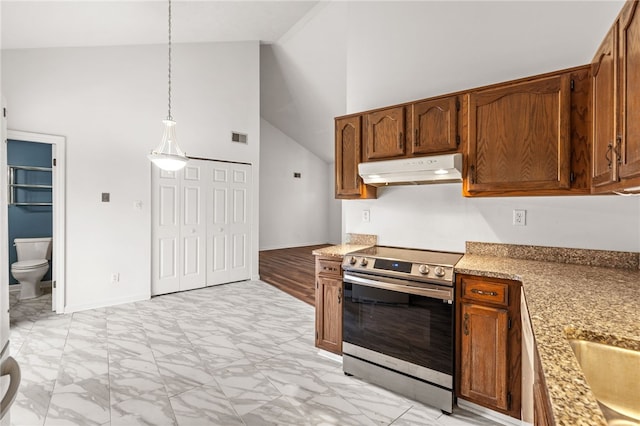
x=413 y=171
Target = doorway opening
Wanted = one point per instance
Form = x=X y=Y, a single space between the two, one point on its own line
x=32 y=198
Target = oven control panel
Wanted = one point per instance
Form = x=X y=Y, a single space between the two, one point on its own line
x=398 y=268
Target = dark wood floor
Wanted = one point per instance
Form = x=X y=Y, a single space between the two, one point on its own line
x=292 y=270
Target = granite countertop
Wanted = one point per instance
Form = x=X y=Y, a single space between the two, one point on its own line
x=354 y=242
x=339 y=250
x=568 y=300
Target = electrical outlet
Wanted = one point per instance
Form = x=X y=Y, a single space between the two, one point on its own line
x=366 y=215
x=115 y=278
x=519 y=218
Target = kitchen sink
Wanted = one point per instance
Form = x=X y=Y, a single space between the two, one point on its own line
x=613 y=374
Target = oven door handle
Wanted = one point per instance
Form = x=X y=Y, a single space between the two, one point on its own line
x=434 y=293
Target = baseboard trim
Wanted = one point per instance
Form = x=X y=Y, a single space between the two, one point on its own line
x=490 y=414
x=106 y=303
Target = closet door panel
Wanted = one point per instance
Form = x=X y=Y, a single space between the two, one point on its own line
x=165 y=200
x=218 y=225
x=193 y=227
x=240 y=231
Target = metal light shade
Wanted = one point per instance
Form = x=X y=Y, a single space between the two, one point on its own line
x=168 y=155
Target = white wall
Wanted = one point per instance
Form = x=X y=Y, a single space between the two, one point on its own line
x=439 y=217
x=109 y=103
x=293 y=211
x=398 y=52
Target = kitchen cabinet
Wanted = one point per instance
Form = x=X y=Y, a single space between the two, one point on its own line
x=604 y=74
x=433 y=125
x=519 y=137
x=488 y=343
x=616 y=100
x=329 y=304
x=348 y=141
x=542 y=412
x=384 y=134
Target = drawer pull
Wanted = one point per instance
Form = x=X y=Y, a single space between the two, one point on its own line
x=483 y=293
x=466 y=324
x=339 y=296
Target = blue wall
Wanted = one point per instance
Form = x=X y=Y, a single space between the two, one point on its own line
x=29 y=221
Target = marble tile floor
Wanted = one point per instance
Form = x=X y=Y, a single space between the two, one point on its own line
x=236 y=354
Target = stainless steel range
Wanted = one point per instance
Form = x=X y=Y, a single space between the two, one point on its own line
x=398 y=321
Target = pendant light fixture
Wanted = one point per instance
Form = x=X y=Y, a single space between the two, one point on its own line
x=168 y=155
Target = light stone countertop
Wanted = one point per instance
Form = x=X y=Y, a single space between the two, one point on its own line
x=354 y=242
x=339 y=251
x=568 y=300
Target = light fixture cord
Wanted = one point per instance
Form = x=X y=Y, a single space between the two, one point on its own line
x=169 y=114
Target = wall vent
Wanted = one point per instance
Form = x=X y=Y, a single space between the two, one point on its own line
x=238 y=137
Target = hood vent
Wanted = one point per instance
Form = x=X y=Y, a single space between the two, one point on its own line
x=413 y=171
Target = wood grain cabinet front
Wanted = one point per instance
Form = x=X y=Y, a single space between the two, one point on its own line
x=616 y=105
x=329 y=304
x=519 y=137
x=433 y=126
x=348 y=150
x=385 y=134
x=488 y=343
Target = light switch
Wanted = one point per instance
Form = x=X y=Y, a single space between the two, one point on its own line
x=105 y=197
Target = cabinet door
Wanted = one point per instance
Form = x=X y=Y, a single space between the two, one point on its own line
x=519 y=137
x=604 y=74
x=630 y=91
x=484 y=356
x=348 y=143
x=329 y=313
x=435 y=126
x=385 y=134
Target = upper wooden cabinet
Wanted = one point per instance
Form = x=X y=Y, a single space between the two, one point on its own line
x=348 y=156
x=605 y=80
x=616 y=101
x=630 y=93
x=519 y=136
x=433 y=125
x=384 y=134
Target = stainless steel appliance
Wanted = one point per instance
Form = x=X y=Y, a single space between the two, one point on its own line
x=398 y=321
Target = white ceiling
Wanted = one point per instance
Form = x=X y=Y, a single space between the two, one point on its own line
x=37 y=24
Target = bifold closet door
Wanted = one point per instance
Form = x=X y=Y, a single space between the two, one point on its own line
x=179 y=229
x=165 y=211
x=193 y=226
x=228 y=223
x=201 y=226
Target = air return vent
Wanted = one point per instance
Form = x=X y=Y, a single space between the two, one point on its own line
x=238 y=137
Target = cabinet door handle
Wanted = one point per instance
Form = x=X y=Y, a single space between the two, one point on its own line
x=400 y=141
x=466 y=324
x=472 y=168
x=416 y=142
x=608 y=154
x=339 y=296
x=617 y=149
x=483 y=293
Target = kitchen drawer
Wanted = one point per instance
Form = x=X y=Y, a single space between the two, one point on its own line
x=484 y=290
x=329 y=267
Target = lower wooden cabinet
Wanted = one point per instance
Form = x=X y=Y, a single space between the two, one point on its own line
x=542 y=413
x=329 y=304
x=488 y=343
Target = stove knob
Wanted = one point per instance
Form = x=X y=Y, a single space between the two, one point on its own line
x=364 y=261
x=423 y=269
x=353 y=260
x=439 y=271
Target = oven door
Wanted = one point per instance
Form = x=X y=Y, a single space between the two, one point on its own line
x=400 y=325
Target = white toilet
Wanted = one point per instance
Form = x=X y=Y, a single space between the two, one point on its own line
x=32 y=264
